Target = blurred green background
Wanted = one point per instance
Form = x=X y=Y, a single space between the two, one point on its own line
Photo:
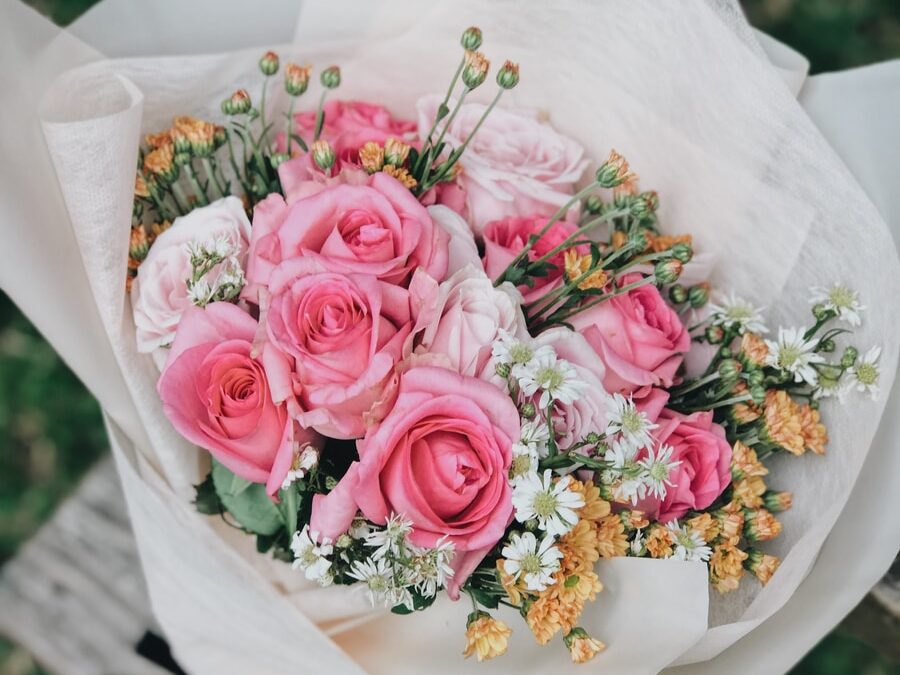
x=52 y=427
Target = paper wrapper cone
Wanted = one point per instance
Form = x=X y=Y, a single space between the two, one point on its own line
x=684 y=93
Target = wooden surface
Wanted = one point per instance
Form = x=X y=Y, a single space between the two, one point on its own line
x=74 y=596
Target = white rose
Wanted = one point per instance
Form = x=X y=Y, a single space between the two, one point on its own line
x=516 y=165
x=159 y=294
x=459 y=320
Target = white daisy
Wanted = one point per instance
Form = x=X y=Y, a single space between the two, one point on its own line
x=731 y=311
x=637 y=544
x=535 y=563
x=430 y=567
x=657 y=469
x=511 y=351
x=536 y=432
x=794 y=354
x=840 y=299
x=828 y=387
x=624 y=474
x=391 y=539
x=311 y=555
x=524 y=462
x=865 y=373
x=552 y=504
x=304 y=460
x=689 y=545
x=360 y=528
x=624 y=418
x=556 y=379
x=376 y=574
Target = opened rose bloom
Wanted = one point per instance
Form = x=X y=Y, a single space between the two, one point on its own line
x=504 y=239
x=216 y=395
x=640 y=339
x=704 y=472
x=159 y=294
x=460 y=319
x=516 y=165
x=441 y=459
x=351 y=124
x=338 y=338
x=377 y=229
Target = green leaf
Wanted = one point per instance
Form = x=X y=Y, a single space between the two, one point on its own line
x=484 y=598
x=251 y=507
x=299 y=141
x=572 y=581
x=207 y=501
x=290 y=504
x=420 y=602
x=442 y=111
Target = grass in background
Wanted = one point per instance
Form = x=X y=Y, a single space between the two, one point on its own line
x=50 y=427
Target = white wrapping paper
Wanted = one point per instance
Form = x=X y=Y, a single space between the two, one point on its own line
x=722 y=139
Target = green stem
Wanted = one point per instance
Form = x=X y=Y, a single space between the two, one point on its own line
x=568 y=241
x=430 y=156
x=262 y=111
x=194 y=180
x=604 y=298
x=719 y=404
x=447 y=96
x=320 y=116
x=696 y=384
x=288 y=124
x=213 y=178
x=560 y=213
x=234 y=165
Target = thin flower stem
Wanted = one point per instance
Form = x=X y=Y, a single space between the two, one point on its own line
x=234 y=165
x=194 y=180
x=213 y=178
x=560 y=213
x=719 y=404
x=696 y=384
x=447 y=96
x=288 y=132
x=568 y=241
x=181 y=200
x=262 y=111
x=430 y=156
x=320 y=119
x=604 y=298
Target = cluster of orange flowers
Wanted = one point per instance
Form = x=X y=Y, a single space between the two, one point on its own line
x=389 y=158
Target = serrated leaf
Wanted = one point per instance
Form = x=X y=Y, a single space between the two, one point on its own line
x=251 y=508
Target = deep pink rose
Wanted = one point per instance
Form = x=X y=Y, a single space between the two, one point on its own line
x=338 y=338
x=504 y=239
x=377 y=229
x=639 y=338
x=704 y=473
x=440 y=459
x=349 y=125
x=516 y=165
x=216 y=395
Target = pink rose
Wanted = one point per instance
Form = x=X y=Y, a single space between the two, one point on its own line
x=159 y=294
x=588 y=412
x=338 y=338
x=504 y=239
x=639 y=338
x=461 y=318
x=349 y=125
x=301 y=178
x=516 y=165
x=704 y=473
x=440 y=459
x=377 y=229
x=216 y=395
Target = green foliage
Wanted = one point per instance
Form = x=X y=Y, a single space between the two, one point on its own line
x=247 y=502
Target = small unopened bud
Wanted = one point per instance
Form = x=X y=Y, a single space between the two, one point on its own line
x=240 y=103
x=698 y=295
x=827 y=346
x=820 y=312
x=395 y=152
x=638 y=207
x=614 y=171
x=279 y=158
x=593 y=204
x=593 y=438
x=268 y=64
x=527 y=410
x=220 y=137
x=725 y=352
x=331 y=77
x=502 y=369
x=471 y=38
x=531 y=525
x=508 y=75
x=729 y=370
x=296 y=79
x=777 y=501
x=667 y=271
x=371 y=157
x=639 y=240
x=678 y=294
x=758 y=395
x=182 y=158
x=227 y=108
x=849 y=357
x=323 y=155
x=652 y=200
x=475 y=69
x=682 y=252
x=343 y=541
x=756 y=378
x=715 y=335
x=330 y=482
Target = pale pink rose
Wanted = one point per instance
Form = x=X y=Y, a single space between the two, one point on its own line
x=377 y=229
x=504 y=239
x=639 y=338
x=704 y=473
x=349 y=125
x=159 y=294
x=461 y=248
x=301 y=178
x=338 y=338
x=450 y=194
x=461 y=318
x=216 y=394
x=516 y=165
x=587 y=413
x=440 y=459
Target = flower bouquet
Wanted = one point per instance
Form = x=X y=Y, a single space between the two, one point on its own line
x=449 y=358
